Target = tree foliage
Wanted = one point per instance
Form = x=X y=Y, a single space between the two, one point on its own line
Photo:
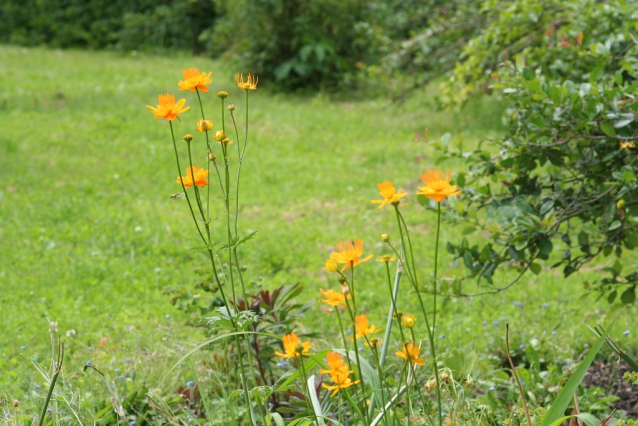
x=561 y=187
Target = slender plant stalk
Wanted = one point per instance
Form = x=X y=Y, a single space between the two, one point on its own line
x=343 y=335
x=518 y=381
x=54 y=379
x=309 y=405
x=354 y=343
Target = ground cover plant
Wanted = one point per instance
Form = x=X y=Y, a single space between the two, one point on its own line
x=105 y=246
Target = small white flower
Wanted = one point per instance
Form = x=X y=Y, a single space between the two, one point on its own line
x=138 y=229
x=70 y=333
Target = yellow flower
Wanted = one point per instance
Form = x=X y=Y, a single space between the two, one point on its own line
x=408 y=320
x=204 y=125
x=336 y=364
x=293 y=346
x=331 y=265
x=194 y=175
x=411 y=352
x=333 y=298
x=386 y=258
x=437 y=185
x=349 y=254
x=225 y=141
x=167 y=107
x=220 y=135
x=194 y=80
x=389 y=194
x=250 y=84
x=341 y=380
x=363 y=328
x=629 y=144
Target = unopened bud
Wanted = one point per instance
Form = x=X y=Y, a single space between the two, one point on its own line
x=204 y=125
x=220 y=135
x=299 y=349
x=408 y=320
x=385 y=238
x=345 y=289
x=188 y=137
x=331 y=265
x=230 y=107
x=212 y=156
x=620 y=204
x=222 y=94
x=341 y=279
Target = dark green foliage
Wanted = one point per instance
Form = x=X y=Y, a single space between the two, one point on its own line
x=105 y=23
x=560 y=187
x=309 y=43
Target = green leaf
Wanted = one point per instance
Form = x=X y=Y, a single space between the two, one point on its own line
x=614 y=225
x=528 y=73
x=629 y=296
x=545 y=246
x=608 y=129
x=563 y=399
x=279 y=421
x=469 y=230
x=422 y=199
x=536 y=268
x=460 y=180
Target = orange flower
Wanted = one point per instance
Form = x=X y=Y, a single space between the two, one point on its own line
x=194 y=80
x=411 y=352
x=349 y=254
x=336 y=364
x=194 y=175
x=437 y=185
x=333 y=298
x=341 y=380
x=167 y=107
x=293 y=346
x=389 y=194
x=362 y=326
x=250 y=84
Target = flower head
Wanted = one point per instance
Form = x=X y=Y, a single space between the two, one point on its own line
x=167 y=108
x=350 y=253
x=331 y=265
x=408 y=320
x=204 y=125
x=293 y=346
x=250 y=84
x=336 y=364
x=437 y=185
x=411 y=352
x=333 y=298
x=389 y=194
x=628 y=144
x=194 y=175
x=363 y=327
x=220 y=135
x=194 y=80
x=340 y=381
x=386 y=258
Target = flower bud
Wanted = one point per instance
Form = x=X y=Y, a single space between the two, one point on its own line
x=341 y=279
x=408 y=320
x=220 y=135
x=204 y=125
x=188 y=137
x=331 y=266
x=230 y=107
x=222 y=94
x=212 y=156
x=298 y=348
x=345 y=289
x=620 y=204
x=385 y=238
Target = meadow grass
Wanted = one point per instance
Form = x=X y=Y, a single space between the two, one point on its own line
x=89 y=236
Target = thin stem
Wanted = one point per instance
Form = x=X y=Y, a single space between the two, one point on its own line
x=436 y=259
x=343 y=335
x=356 y=347
x=518 y=381
x=179 y=171
x=209 y=150
x=196 y=189
x=309 y=405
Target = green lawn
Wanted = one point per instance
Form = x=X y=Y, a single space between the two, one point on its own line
x=89 y=235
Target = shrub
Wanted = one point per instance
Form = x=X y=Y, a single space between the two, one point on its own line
x=560 y=187
x=313 y=43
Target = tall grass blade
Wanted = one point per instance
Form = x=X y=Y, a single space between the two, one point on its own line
x=316 y=405
x=557 y=410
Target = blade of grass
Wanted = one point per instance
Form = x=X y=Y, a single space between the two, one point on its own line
x=316 y=405
x=562 y=401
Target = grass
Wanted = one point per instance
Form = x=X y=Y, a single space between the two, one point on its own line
x=90 y=237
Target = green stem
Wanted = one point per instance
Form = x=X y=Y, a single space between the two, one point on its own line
x=356 y=347
x=179 y=170
x=196 y=189
x=343 y=335
x=309 y=405
x=209 y=151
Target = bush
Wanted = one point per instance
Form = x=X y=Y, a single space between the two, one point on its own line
x=561 y=186
x=311 y=43
x=105 y=23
